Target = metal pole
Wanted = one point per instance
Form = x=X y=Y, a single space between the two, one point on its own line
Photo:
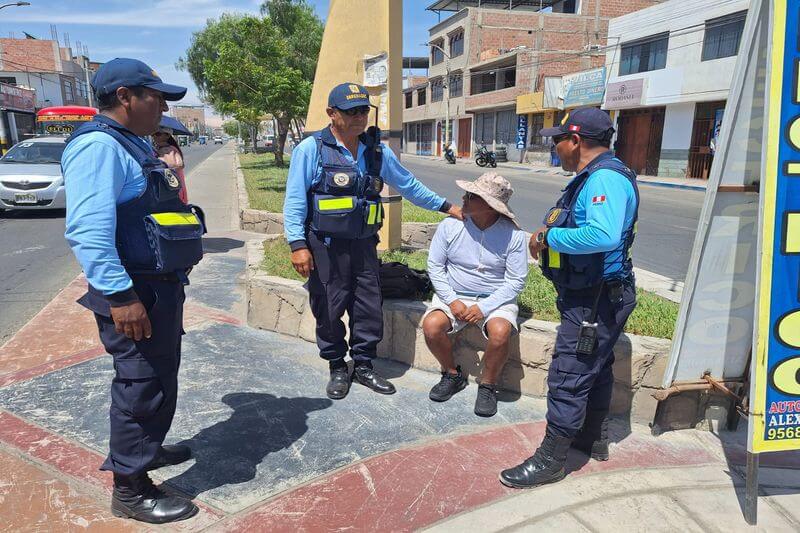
x=89 y=91
x=751 y=496
x=447 y=103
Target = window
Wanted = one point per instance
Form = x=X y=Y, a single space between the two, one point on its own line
x=457 y=44
x=456 y=85
x=437 y=55
x=484 y=128
x=723 y=35
x=68 y=94
x=421 y=96
x=644 y=56
x=437 y=90
x=536 y=125
x=411 y=134
x=8 y=79
x=409 y=99
x=506 y=131
x=494 y=80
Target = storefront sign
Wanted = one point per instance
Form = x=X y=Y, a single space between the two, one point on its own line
x=584 y=88
x=775 y=421
x=522 y=131
x=17 y=98
x=624 y=94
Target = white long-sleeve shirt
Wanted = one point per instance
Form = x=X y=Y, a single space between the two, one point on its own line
x=465 y=260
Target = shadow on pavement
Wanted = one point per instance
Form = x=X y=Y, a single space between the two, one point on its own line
x=230 y=451
x=220 y=245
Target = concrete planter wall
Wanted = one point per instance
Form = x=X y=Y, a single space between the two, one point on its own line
x=281 y=305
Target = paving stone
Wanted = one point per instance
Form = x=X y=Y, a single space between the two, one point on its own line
x=722 y=510
x=651 y=513
x=34 y=500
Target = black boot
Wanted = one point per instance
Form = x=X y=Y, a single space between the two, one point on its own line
x=174 y=454
x=136 y=497
x=366 y=375
x=592 y=439
x=545 y=466
x=339 y=384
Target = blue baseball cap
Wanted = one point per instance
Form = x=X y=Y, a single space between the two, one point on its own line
x=124 y=72
x=348 y=96
x=588 y=122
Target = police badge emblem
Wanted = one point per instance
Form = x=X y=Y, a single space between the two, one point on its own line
x=341 y=179
x=553 y=216
x=172 y=179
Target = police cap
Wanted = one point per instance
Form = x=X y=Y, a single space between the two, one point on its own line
x=124 y=72
x=348 y=96
x=588 y=122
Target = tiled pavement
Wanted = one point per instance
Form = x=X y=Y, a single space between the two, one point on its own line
x=272 y=453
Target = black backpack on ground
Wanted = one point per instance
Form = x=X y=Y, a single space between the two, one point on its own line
x=401 y=281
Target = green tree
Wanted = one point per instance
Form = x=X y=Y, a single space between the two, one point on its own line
x=301 y=31
x=249 y=67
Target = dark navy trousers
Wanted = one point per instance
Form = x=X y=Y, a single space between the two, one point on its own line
x=578 y=382
x=144 y=390
x=346 y=278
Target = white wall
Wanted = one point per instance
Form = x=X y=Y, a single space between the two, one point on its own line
x=686 y=78
x=678 y=121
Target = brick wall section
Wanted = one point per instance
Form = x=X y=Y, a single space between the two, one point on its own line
x=35 y=55
x=616 y=8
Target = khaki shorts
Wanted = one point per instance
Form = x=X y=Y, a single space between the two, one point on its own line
x=507 y=311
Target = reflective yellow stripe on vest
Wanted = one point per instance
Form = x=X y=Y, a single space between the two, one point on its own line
x=176 y=219
x=372 y=217
x=334 y=204
x=553 y=258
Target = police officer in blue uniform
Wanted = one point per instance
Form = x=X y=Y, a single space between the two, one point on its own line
x=584 y=249
x=135 y=241
x=332 y=214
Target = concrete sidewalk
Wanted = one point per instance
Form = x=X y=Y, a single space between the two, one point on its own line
x=538 y=168
x=272 y=453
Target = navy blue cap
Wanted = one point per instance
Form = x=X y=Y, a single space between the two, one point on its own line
x=124 y=72
x=588 y=122
x=174 y=124
x=348 y=96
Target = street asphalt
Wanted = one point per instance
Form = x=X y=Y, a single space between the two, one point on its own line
x=668 y=217
x=35 y=261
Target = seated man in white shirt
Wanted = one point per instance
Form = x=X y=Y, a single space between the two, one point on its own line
x=478 y=268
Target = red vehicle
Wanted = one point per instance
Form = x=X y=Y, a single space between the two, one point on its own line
x=62 y=120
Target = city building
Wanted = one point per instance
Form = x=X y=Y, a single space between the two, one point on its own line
x=17 y=115
x=45 y=66
x=487 y=54
x=193 y=117
x=670 y=68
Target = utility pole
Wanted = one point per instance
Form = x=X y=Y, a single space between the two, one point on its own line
x=446 y=85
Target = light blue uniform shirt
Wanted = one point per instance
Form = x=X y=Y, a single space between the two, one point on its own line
x=305 y=170
x=604 y=210
x=465 y=259
x=99 y=174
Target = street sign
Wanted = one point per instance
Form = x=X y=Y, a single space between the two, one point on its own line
x=775 y=406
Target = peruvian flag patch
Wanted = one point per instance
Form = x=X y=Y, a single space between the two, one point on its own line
x=574 y=127
x=597 y=200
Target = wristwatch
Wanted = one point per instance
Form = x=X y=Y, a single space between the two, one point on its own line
x=541 y=237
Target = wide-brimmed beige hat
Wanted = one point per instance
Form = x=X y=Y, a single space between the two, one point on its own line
x=495 y=190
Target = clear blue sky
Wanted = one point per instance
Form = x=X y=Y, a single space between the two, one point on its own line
x=159 y=31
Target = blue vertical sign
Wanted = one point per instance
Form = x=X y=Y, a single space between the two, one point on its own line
x=775 y=420
x=522 y=131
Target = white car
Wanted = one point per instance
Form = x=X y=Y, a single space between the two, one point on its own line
x=217 y=140
x=30 y=175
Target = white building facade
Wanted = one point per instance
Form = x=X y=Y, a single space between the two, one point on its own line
x=670 y=68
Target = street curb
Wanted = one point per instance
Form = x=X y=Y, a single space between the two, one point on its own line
x=543 y=170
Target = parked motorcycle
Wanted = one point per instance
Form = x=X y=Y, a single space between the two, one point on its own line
x=485 y=157
x=449 y=155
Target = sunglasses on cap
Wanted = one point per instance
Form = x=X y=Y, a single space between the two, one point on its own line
x=360 y=110
x=560 y=138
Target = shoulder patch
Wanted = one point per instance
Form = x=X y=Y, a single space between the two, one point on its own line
x=599 y=200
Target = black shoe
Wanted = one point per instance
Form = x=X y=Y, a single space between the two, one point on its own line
x=447 y=386
x=592 y=439
x=170 y=455
x=136 y=497
x=546 y=465
x=369 y=378
x=339 y=384
x=486 y=402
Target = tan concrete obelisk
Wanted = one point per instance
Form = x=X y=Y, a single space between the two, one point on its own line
x=356 y=29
